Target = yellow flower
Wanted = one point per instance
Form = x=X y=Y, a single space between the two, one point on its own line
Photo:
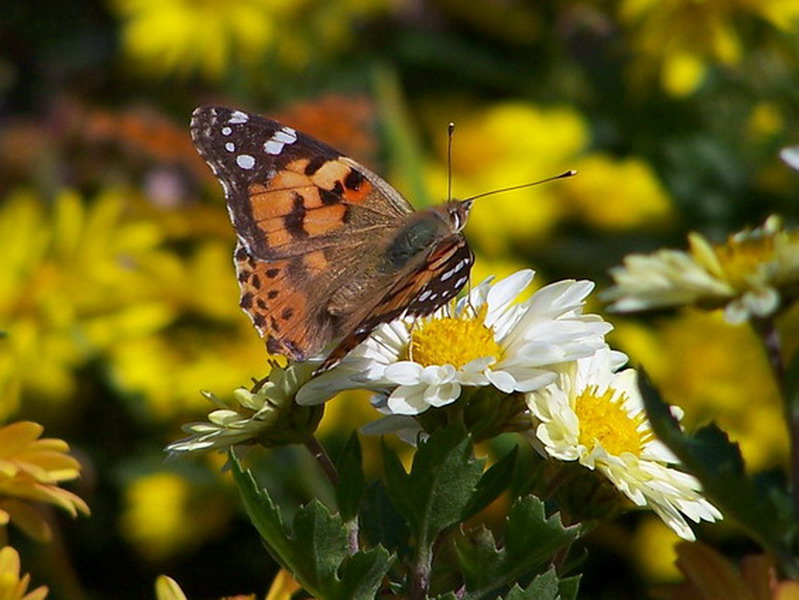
x=283 y=586
x=617 y=194
x=72 y=281
x=12 y=587
x=164 y=515
x=211 y=37
x=184 y=36
x=30 y=470
x=167 y=588
x=753 y=275
x=653 y=549
x=735 y=389
x=680 y=39
x=503 y=145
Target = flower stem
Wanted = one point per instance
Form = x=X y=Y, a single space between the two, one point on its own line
x=320 y=456
x=770 y=338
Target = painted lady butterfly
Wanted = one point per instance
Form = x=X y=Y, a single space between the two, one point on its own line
x=326 y=249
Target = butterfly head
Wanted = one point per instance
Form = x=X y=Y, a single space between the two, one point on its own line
x=458 y=213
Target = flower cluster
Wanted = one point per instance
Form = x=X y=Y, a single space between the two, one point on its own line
x=542 y=354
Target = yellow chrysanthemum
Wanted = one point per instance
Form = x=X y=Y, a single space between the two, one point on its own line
x=211 y=37
x=617 y=194
x=30 y=470
x=679 y=39
x=735 y=389
x=162 y=515
x=12 y=586
x=71 y=281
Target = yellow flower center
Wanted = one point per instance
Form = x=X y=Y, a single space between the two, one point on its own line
x=740 y=259
x=453 y=341
x=604 y=421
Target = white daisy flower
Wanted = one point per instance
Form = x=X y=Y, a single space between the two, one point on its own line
x=753 y=274
x=484 y=339
x=595 y=416
x=267 y=415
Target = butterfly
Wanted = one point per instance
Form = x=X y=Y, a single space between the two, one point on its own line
x=327 y=250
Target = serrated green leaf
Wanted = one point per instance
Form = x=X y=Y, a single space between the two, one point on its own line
x=543 y=587
x=263 y=512
x=531 y=539
x=316 y=553
x=569 y=586
x=352 y=482
x=717 y=463
x=323 y=540
x=434 y=495
x=493 y=482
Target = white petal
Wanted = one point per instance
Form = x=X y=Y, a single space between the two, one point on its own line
x=408 y=400
x=404 y=372
x=441 y=395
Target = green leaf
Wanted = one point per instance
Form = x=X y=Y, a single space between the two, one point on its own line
x=493 y=482
x=316 y=553
x=544 y=587
x=352 y=482
x=717 y=463
x=435 y=494
x=381 y=523
x=531 y=539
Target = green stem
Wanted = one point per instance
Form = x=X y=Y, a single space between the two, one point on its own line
x=323 y=460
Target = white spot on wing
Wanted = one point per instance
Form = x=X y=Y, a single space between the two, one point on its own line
x=286 y=135
x=245 y=161
x=461 y=281
x=238 y=117
x=230 y=147
x=227 y=131
x=449 y=274
x=424 y=295
x=273 y=147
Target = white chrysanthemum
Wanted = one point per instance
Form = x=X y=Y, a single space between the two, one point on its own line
x=267 y=415
x=595 y=416
x=750 y=275
x=485 y=339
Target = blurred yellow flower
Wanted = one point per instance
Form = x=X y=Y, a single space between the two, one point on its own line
x=283 y=586
x=167 y=588
x=184 y=36
x=734 y=389
x=617 y=194
x=164 y=515
x=210 y=37
x=678 y=40
x=506 y=144
x=653 y=549
x=30 y=470
x=71 y=281
x=12 y=586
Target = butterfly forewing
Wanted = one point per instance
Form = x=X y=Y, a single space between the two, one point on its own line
x=312 y=227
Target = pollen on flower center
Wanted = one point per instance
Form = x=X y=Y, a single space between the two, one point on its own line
x=604 y=421
x=453 y=341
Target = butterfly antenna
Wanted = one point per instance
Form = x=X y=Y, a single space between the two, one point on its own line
x=569 y=173
x=450 y=132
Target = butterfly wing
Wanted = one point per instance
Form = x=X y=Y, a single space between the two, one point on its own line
x=304 y=215
x=417 y=293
